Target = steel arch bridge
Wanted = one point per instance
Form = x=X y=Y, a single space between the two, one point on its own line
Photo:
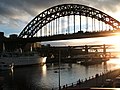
x=63 y=10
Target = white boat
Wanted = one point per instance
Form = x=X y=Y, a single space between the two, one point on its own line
x=4 y=66
x=22 y=59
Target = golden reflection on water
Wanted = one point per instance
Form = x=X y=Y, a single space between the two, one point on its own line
x=115 y=62
x=115 y=41
x=44 y=69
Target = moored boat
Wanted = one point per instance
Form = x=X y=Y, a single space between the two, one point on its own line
x=4 y=66
x=92 y=61
x=22 y=59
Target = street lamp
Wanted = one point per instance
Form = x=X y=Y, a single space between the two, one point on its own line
x=59 y=60
x=59 y=68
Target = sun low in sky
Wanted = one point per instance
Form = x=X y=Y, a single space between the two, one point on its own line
x=111 y=40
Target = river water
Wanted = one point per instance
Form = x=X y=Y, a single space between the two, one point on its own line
x=46 y=77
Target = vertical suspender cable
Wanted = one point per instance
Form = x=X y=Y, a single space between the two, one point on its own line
x=61 y=25
x=53 y=27
x=102 y=26
x=41 y=32
x=68 y=25
x=56 y=26
x=74 y=23
x=44 y=31
x=99 y=25
x=86 y=23
x=49 y=29
x=80 y=22
x=92 y=24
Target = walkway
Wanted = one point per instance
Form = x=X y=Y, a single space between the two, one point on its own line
x=97 y=81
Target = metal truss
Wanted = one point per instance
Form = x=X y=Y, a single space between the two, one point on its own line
x=65 y=10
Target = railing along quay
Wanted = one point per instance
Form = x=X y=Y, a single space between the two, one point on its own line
x=95 y=81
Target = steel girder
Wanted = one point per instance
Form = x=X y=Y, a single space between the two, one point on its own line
x=65 y=10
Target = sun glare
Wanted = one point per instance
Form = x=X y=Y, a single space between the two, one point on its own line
x=115 y=40
x=115 y=62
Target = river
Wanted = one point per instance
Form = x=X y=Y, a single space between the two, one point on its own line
x=46 y=77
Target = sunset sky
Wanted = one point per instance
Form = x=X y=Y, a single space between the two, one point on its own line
x=16 y=14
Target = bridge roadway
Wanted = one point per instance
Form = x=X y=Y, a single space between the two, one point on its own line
x=61 y=37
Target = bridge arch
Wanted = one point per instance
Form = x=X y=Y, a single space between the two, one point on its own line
x=66 y=10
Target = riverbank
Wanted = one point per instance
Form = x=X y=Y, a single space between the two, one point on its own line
x=97 y=81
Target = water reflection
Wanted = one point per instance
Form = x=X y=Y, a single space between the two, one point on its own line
x=44 y=78
x=11 y=73
x=105 y=67
x=115 y=62
x=44 y=70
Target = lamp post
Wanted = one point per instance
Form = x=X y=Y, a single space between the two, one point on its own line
x=59 y=68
